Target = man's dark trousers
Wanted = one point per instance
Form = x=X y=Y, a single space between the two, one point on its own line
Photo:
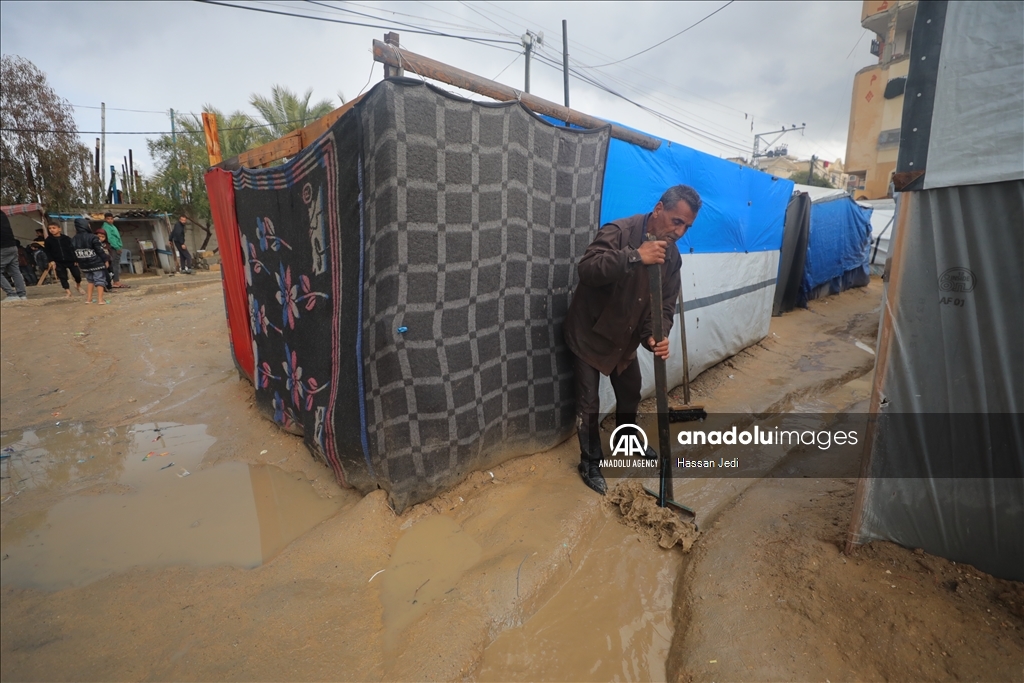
x=626 y=385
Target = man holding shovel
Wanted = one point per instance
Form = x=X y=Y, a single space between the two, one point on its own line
x=610 y=314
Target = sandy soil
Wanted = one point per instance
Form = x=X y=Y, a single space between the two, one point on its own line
x=769 y=596
x=513 y=555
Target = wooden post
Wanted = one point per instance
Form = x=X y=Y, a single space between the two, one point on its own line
x=429 y=68
x=392 y=38
x=212 y=139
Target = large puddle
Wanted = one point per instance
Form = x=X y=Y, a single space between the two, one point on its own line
x=147 y=501
x=612 y=621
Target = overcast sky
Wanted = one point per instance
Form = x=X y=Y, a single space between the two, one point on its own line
x=753 y=64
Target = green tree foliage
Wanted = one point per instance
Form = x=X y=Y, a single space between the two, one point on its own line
x=178 y=187
x=284 y=111
x=816 y=180
x=41 y=156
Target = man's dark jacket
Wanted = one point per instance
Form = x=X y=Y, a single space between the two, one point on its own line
x=6 y=233
x=610 y=313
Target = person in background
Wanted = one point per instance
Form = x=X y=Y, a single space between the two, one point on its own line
x=116 y=245
x=11 y=280
x=37 y=252
x=107 y=255
x=178 y=240
x=92 y=259
x=26 y=265
x=61 y=252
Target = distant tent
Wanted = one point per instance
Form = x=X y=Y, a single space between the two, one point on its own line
x=883 y=221
x=944 y=458
x=834 y=236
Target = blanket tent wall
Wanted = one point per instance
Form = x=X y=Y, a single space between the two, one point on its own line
x=396 y=290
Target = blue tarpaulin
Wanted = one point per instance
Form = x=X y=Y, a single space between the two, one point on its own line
x=838 y=248
x=743 y=209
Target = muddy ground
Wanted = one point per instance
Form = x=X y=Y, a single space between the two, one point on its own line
x=519 y=573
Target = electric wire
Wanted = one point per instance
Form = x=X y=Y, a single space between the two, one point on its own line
x=401 y=23
x=137 y=111
x=353 y=23
x=707 y=136
x=676 y=35
x=183 y=131
x=425 y=20
x=579 y=47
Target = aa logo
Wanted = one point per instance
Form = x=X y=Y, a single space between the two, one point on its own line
x=625 y=441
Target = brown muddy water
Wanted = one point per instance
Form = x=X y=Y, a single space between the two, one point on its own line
x=144 y=499
x=611 y=621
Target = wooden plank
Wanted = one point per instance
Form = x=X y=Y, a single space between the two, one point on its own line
x=212 y=139
x=429 y=68
x=886 y=338
x=287 y=145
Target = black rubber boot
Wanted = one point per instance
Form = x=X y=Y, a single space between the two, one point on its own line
x=592 y=477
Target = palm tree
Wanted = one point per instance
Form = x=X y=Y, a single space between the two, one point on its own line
x=284 y=111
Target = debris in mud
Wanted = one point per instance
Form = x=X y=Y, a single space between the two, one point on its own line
x=641 y=512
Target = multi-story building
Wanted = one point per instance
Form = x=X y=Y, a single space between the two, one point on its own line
x=876 y=112
x=785 y=166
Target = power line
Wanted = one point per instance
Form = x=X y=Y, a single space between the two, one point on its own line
x=676 y=35
x=514 y=60
x=473 y=9
x=401 y=23
x=137 y=111
x=424 y=20
x=149 y=132
x=354 y=23
x=670 y=105
x=710 y=137
x=583 y=48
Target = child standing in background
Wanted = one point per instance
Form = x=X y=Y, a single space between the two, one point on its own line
x=92 y=259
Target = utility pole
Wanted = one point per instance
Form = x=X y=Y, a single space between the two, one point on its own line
x=97 y=182
x=565 y=61
x=103 y=143
x=529 y=40
x=757 y=140
x=810 y=170
x=174 y=157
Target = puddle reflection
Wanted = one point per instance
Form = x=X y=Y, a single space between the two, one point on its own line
x=152 y=504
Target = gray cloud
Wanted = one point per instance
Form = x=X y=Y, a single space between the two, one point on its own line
x=781 y=63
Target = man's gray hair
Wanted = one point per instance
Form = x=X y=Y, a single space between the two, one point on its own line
x=677 y=193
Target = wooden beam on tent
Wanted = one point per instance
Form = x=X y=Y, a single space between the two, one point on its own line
x=287 y=145
x=212 y=139
x=893 y=279
x=396 y=57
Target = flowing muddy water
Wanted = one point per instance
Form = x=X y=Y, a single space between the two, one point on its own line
x=425 y=566
x=611 y=621
x=146 y=501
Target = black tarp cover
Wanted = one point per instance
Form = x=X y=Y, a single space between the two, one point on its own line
x=408 y=274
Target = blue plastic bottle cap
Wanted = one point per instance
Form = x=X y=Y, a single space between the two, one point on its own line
x=403 y=329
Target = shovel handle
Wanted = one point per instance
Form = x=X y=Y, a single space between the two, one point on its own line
x=661 y=389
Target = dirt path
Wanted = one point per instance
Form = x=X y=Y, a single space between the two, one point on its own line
x=494 y=565
x=769 y=596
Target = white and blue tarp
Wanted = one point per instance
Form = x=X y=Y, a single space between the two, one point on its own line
x=730 y=257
